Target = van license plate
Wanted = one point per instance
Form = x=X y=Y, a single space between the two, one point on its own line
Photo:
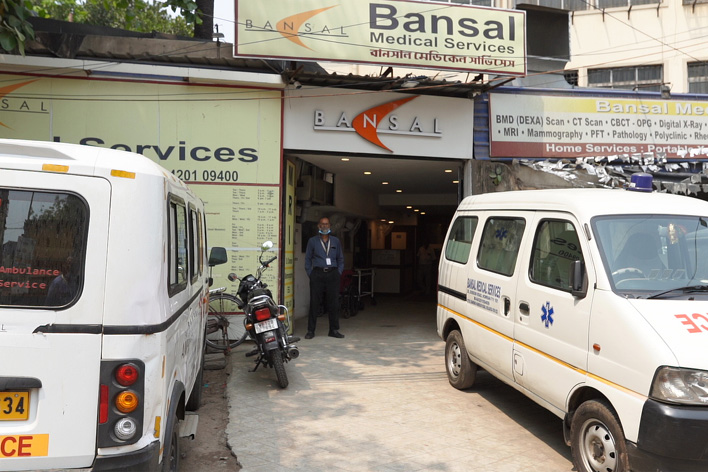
x=14 y=406
x=266 y=325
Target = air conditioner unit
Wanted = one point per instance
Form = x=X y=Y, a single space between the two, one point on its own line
x=315 y=190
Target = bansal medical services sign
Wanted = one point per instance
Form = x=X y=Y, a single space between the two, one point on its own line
x=392 y=32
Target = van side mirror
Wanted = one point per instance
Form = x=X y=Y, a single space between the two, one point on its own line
x=217 y=256
x=578 y=279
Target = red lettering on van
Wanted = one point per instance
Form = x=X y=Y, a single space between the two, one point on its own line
x=3 y=445
x=696 y=316
x=24 y=444
x=693 y=328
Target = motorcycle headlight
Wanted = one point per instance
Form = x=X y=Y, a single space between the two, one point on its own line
x=684 y=386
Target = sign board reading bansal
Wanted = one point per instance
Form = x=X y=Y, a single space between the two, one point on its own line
x=393 y=32
x=525 y=125
x=383 y=123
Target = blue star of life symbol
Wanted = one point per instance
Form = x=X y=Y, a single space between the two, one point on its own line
x=547 y=316
x=501 y=234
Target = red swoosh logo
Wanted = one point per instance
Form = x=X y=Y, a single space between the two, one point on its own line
x=295 y=22
x=366 y=122
x=9 y=89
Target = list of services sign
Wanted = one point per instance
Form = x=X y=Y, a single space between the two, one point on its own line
x=523 y=125
x=393 y=32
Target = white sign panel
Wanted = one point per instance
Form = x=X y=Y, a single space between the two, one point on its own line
x=384 y=123
x=418 y=34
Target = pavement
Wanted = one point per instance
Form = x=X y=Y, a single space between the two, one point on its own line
x=379 y=400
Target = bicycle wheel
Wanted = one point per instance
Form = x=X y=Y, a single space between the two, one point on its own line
x=353 y=295
x=225 y=322
x=344 y=308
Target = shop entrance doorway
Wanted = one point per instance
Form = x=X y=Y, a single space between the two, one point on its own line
x=384 y=209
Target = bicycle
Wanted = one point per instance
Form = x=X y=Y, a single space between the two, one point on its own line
x=348 y=295
x=226 y=318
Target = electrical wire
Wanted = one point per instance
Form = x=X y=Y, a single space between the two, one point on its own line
x=436 y=7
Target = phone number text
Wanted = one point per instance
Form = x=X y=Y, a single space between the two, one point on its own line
x=189 y=175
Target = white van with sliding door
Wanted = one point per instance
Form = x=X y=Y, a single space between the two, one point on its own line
x=103 y=300
x=594 y=304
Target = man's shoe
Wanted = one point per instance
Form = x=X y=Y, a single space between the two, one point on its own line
x=309 y=335
x=336 y=334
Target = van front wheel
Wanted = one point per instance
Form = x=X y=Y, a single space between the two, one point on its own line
x=597 y=440
x=461 y=371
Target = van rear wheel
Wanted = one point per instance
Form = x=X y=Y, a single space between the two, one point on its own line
x=195 y=398
x=461 y=371
x=597 y=440
x=171 y=456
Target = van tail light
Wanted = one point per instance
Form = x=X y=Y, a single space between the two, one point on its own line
x=127 y=401
x=103 y=405
x=127 y=374
x=262 y=314
x=121 y=394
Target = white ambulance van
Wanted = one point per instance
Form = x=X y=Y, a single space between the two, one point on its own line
x=594 y=304
x=103 y=301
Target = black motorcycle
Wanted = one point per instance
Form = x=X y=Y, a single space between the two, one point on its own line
x=265 y=321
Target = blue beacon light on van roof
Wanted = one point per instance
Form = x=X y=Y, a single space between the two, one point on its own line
x=641 y=182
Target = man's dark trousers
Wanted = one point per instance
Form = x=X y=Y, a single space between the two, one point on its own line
x=324 y=286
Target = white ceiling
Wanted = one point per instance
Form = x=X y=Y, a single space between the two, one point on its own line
x=417 y=178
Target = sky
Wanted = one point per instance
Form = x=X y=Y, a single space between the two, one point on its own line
x=224 y=17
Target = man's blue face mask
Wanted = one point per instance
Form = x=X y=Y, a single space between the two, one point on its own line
x=325 y=231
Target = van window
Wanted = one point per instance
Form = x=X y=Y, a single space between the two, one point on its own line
x=500 y=244
x=202 y=241
x=653 y=252
x=178 y=246
x=556 y=246
x=43 y=248
x=459 y=241
x=193 y=245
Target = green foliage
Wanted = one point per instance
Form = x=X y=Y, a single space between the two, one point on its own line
x=189 y=10
x=134 y=15
x=14 y=27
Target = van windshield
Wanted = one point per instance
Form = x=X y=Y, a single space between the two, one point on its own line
x=43 y=246
x=647 y=255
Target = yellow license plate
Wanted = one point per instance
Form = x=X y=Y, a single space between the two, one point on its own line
x=14 y=406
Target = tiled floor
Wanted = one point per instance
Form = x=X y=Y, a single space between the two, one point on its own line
x=379 y=400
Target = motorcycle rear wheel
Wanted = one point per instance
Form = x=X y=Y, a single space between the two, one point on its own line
x=276 y=358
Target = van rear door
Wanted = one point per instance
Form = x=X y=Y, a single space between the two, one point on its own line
x=491 y=289
x=52 y=278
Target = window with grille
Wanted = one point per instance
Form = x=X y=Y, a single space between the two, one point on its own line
x=569 y=5
x=698 y=77
x=577 y=5
x=481 y=3
x=571 y=76
x=621 y=3
x=642 y=78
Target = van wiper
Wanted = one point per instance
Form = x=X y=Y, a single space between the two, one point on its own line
x=688 y=289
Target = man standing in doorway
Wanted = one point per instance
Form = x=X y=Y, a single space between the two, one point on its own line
x=324 y=264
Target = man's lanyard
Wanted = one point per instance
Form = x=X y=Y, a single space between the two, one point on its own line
x=326 y=248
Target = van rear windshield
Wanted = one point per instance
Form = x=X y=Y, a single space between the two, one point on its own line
x=43 y=247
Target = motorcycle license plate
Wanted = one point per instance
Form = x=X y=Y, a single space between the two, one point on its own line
x=267 y=325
